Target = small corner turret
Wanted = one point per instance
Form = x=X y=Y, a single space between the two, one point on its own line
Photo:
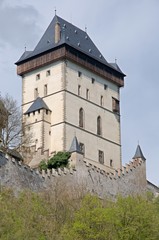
x=139 y=154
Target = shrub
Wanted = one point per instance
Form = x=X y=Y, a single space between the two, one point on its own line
x=59 y=160
x=43 y=165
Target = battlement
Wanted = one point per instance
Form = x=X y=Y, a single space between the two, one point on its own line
x=130 y=179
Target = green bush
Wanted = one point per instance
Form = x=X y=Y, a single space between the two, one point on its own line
x=59 y=160
x=43 y=165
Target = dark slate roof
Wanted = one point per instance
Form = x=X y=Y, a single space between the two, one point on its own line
x=116 y=67
x=71 y=36
x=138 y=153
x=37 y=104
x=75 y=146
x=24 y=55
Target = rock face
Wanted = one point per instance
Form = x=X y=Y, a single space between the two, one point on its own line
x=127 y=181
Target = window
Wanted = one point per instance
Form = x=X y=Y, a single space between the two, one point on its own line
x=79 y=74
x=81 y=118
x=48 y=73
x=28 y=114
x=82 y=148
x=105 y=86
x=87 y=93
x=79 y=90
x=33 y=112
x=101 y=101
x=45 y=90
x=99 y=125
x=35 y=93
x=38 y=110
x=38 y=76
x=47 y=112
x=115 y=105
x=93 y=80
x=101 y=157
x=111 y=163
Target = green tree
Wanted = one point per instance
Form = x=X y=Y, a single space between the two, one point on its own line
x=130 y=218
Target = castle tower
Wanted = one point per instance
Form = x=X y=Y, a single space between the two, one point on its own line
x=81 y=91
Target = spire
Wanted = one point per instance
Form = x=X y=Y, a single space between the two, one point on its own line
x=138 y=153
x=75 y=146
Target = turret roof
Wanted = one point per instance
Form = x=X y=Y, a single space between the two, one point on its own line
x=37 y=104
x=138 y=153
x=75 y=146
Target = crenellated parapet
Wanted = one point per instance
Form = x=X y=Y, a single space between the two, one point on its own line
x=130 y=179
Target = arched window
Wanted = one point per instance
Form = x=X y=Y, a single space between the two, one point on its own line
x=81 y=118
x=99 y=125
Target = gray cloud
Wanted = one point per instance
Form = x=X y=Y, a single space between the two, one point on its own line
x=18 y=25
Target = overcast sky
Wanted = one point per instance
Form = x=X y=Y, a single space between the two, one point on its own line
x=121 y=29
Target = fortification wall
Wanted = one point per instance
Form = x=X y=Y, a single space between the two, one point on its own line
x=131 y=179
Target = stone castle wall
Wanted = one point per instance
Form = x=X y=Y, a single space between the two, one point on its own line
x=131 y=179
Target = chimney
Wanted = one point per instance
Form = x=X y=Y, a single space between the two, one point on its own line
x=57 y=32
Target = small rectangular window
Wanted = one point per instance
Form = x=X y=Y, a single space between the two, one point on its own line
x=45 y=90
x=35 y=93
x=101 y=101
x=48 y=73
x=93 y=80
x=111 y=163
x=47 y=112
x=79 y=90
x=115 y=105
x=105 y=86
x=38 y=76
x=79 y=74
x=82 y=148
x=101 y=157
x=87 y=93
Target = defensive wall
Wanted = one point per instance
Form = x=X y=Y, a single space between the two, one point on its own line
x=130 y=180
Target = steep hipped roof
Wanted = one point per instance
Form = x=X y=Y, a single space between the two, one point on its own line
x=75 y=146
x=71 y=36
x=37 y=104
x=138 y=153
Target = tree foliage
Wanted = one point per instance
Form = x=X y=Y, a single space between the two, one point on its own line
x=11 y=128
x=59 y=160
x=131 y=218
x=61 y=215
